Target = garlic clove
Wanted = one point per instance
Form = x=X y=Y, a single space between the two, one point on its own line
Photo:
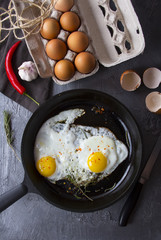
x=130 y=80
x=153 y=102
x=27 y=71
x=152 y=77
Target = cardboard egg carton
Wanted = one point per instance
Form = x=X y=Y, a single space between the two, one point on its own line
x=63 y=35
x=113 y=29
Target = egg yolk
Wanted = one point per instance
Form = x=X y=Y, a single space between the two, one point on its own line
x=97 y=162
x=46 y=166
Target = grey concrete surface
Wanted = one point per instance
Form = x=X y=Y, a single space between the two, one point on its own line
x=33 y=218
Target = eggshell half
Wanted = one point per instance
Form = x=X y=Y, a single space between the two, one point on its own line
x=153 y=102
x=130 y=80
x=152 y=78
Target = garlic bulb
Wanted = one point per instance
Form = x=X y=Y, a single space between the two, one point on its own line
x=27 y=71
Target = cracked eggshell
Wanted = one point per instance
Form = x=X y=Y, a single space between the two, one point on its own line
x=152 y=77
x=153 y=102
x=130 y=80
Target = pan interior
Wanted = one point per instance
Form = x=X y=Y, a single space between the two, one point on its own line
x=96 y=116
x=101 y=111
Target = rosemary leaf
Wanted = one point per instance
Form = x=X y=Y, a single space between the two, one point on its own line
x=9 y=132
x=108 y=189
x=7 y=127
x=76 y=196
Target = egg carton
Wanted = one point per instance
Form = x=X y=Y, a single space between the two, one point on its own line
x=63 y=35
x=113 y=29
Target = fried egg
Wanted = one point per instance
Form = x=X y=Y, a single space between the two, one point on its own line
x=64 y=150
x=101 y=154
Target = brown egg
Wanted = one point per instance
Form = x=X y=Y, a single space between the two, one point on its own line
x=50 y=28
x=63 y=5
x=85 y=62
x=64 y=70
x=77 y=41
x=56 y=49
x=70 y=21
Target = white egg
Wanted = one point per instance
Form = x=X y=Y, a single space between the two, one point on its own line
x=73 y=145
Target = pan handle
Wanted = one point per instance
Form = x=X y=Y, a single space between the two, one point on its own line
x=12 y=196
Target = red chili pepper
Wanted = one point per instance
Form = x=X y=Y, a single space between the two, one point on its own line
x=11 y=75
x=9 y=70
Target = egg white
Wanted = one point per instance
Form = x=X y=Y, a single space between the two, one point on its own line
x=61 y=139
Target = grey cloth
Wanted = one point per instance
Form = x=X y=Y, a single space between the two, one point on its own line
x=40 y=89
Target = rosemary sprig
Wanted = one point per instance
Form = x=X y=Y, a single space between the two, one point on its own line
x=110 y=188
x=7 y=127
x=9 y=132
x=83 y=193
x=71 y=178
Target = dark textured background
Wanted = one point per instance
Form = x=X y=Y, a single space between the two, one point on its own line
x=32 y=217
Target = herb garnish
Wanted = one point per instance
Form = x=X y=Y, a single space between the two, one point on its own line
x=110 y=188
x=72 y=180
x=9 y=132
